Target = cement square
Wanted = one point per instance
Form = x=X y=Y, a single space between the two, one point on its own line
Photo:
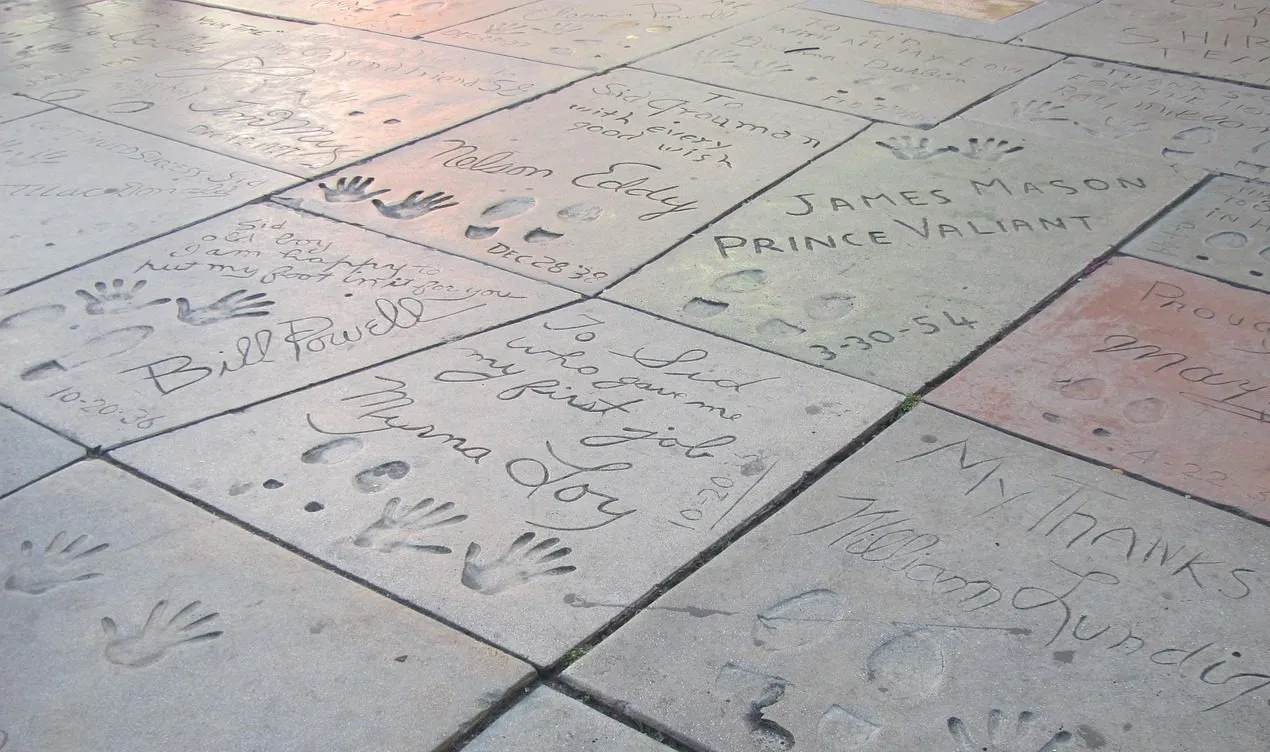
x=1218 y=126
x=600 y=34
x=578 y=457
x=310 y=100
x=133 y=620
x=403 y=18
x=234 y=310
x=1223 y=230
x=547 y=721
x=29 y=450
x=76 y=188
x=995 y=20
x=1218 y=38
x=57 y=48
x=649 y=160
x=896 y=255
x=1142 y=367
x=953 y=588
x=14 y=107
x=883 y=72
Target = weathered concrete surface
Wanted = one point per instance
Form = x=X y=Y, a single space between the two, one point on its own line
x=1143 y=367
x=529 y=482
x=893 y=257
x=954 y=588
x=234 y=310
x=547 y=721
x=868 y=69
x=29 y=450
x=134 y=620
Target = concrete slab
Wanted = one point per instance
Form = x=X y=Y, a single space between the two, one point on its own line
x=878 y=71
x=77 y=188
x=29 y=450
x=578 y=457
x=996 y=20
x=1223 y=230
x=14 y=107
x=649 y=159
x=1143 y=367
x=137 y=621
x=70 y=41
x=953 y=588
x=600 y=34
x=547 y=721
x=310 y=100
x=1218 y=126
x=403 y=18
x=237 y=309
x=1219 y=38
x=896 y=255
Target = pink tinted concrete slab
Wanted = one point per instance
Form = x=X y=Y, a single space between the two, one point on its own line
x=233 y=310
x=1218 y=38
x=598 y=34
x=403 y=18
x=305 y=101
x=1223 y=230
x=1144 y=367
x=996 y=20
x=873 y=70
x=69 y=41
x=581 y=456
x=582 y=186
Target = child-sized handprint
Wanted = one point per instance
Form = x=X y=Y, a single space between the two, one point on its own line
x=157 y=636
x=1039 y=110
x=1003 y=737
x=348 y=190
x=236 y=305
x=415 y=205
x=521 y=565
x=397 y=527
x=988 y=150
x=41 y=571
x=115 y=298
x=908 y=147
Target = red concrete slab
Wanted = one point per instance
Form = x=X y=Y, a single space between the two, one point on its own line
x=1158 y=371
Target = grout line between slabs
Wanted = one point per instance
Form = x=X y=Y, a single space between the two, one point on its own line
x=1242 y=514
x=311 y=558
x=336 y=377
x=1152 y=68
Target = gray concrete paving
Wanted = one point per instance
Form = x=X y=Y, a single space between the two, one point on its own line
x=440 y=375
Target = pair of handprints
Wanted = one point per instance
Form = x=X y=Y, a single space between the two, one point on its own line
x=983 y=150
x=119 y=297
x=400 y=526
x=63 y=562
x=358 y=188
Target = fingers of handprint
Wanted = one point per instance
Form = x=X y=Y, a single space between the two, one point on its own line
x=88 y=297
x=426 y=549
x=521 y=541
x=542 y=546
x=109 y=627
x=156 y=613
x=473 y=551
x=55 y=542
x=957 y=728
x=26 y=547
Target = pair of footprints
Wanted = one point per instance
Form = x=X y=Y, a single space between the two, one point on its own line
x=983 y=150
x=62 y=562
x=118 y=297
x=358 y=188
x=400 y=526
x=840 y=730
